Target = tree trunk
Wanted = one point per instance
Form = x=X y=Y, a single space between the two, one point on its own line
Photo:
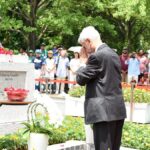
x=32 y=35
x=32 y=40
x=128 y=35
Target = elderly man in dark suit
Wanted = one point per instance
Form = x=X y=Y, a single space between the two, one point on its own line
x=104 y=105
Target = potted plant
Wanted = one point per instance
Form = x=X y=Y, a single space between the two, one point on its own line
x=140 y=105
x=38 y=127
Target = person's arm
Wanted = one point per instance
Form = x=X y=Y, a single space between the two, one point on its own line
x=71 y=66
x=43 y=68
x=67 y=63
x=54 y=66
x=146 y=61
x=90 y=71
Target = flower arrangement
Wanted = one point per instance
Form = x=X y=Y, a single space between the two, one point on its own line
x=14 y=94
x=38 y=127
x=38 y=122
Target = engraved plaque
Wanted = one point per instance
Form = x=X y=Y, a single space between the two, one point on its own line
x=15 y=79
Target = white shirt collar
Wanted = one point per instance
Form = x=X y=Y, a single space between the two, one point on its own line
x=98 y=47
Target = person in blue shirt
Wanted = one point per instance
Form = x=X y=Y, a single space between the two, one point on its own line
x=39 y=65
x=133 y=68
x=55 y=51
x=62 y=67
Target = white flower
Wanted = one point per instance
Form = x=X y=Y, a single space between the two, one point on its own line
x=55 y=115
x=42 y=123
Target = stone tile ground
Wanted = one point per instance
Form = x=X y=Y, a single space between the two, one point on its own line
x=76 y=145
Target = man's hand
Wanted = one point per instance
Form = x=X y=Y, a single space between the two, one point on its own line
x=83 y=55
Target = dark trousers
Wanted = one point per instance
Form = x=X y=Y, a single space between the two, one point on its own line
x=140 y=76
x=107 y=135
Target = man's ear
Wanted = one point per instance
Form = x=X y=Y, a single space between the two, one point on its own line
x=88 y=40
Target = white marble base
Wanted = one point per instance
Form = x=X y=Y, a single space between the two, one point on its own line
x=13 y=113
x=70 y=106
x=74 y=106
x=141 y=112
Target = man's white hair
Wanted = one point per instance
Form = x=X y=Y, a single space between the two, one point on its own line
x=89 y=33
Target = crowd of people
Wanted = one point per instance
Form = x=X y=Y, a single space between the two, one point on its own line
x=135 y=66
x=55 y=65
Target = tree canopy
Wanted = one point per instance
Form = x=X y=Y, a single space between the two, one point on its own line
x=27 y=23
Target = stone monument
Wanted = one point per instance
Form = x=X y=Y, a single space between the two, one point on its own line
x=17 y=75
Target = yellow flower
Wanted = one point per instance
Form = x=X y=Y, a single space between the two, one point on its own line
x=126 y=133
x=14 y=137
x=1 y=136
x=127 y=139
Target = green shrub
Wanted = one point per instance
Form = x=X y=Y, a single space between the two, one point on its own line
x=140 y=95
x=58 y=136
x=74 y=128
x=71 y=129
x=16 y=52
x=77 y=91
x=16 y=141
x=136 y=136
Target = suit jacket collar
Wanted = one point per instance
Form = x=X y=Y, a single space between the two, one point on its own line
x=102 y=46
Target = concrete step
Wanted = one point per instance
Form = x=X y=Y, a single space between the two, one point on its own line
x=77 y=145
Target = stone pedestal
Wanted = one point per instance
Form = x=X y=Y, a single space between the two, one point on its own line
x=141 y=112
x=17 y=75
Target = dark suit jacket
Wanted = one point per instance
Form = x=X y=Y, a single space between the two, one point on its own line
x=102 y=77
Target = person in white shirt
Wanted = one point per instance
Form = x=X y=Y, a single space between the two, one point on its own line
x=50 y=69
x=74 y=66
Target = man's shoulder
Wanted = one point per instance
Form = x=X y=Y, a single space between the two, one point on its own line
x=106 y=53
x=103 y=51
x=103 y=47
